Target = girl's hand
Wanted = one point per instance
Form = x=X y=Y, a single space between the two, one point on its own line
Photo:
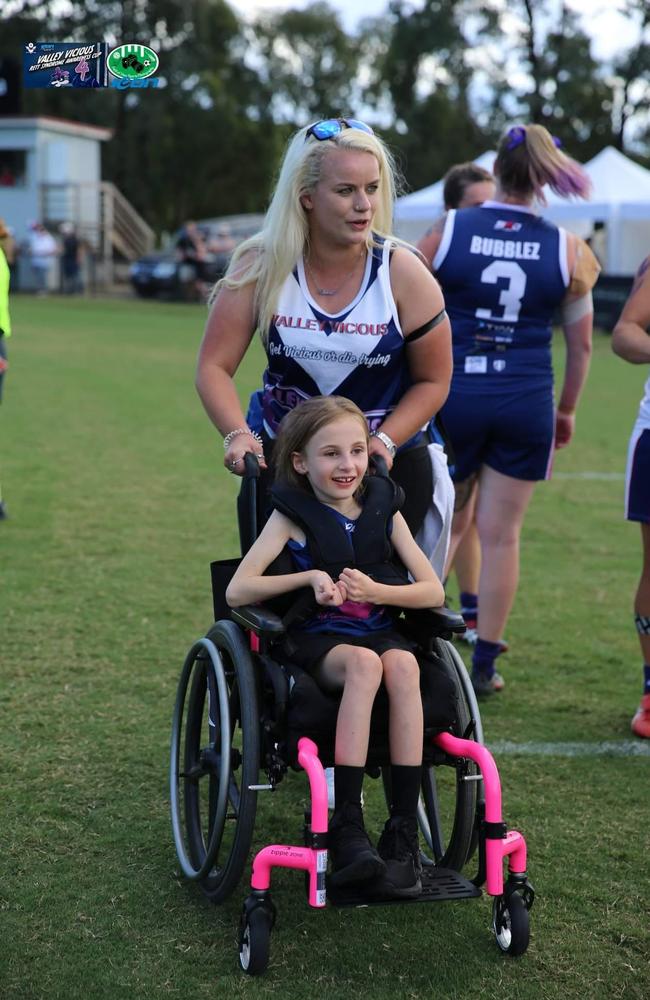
x=359 y=587
x=325 y=590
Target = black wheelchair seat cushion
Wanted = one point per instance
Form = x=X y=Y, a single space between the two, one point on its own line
x=312 y=712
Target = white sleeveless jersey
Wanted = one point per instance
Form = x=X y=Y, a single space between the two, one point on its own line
x=644 y=409
x=357 y=352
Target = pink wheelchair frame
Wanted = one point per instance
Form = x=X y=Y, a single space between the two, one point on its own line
x=512 y=898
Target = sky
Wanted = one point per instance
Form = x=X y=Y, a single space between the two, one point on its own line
x=609 y=30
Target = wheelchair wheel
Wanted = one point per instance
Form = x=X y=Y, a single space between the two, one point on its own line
x=448 y=802
x=215 y=759
x=511 y=924
x=255 y=927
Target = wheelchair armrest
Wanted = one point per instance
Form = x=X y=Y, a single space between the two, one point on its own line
x=439 y=621
x=259 y=619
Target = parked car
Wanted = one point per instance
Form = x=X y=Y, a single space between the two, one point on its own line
x=164 y=274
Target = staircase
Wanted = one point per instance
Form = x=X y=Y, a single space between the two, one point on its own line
x=103 y=218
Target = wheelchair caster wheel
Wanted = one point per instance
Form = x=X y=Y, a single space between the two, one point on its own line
x=255 y=925
x=511 y=924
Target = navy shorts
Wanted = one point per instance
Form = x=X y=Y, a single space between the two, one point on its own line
x=512 y=431
x=307 y=649
x=637 y=478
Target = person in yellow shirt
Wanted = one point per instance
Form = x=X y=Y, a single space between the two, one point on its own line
x=5 y=329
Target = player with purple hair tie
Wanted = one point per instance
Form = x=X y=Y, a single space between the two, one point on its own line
x=504 y=271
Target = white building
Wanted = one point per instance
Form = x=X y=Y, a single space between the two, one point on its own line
x=50 y=171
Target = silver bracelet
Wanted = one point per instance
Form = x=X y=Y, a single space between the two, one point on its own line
x=242 y=430
x=387 y=441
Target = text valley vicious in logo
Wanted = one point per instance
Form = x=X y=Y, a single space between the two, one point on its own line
x=65 y=64
x=132 y=65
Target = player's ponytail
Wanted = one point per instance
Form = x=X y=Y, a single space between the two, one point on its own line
x=530 y=157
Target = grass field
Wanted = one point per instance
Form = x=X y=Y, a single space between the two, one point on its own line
x=118 y=500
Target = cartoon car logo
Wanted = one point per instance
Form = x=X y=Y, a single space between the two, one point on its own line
x=131 y=61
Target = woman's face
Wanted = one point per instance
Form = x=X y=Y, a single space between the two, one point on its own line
x=476 y=193
x=342 y=205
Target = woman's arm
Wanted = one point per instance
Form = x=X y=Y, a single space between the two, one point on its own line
x=249 y=584
x=425 y=592
x=228 y=334
x=418 y=299
x=577 y=327
x=428 y=245
x=630 y=339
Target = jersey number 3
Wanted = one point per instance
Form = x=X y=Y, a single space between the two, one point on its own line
x=511 y=296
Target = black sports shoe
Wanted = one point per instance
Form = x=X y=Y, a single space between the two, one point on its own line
x=3 y=511
x=353 y=857
x=399 y=848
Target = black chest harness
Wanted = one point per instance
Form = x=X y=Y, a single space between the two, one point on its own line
x=368 y=548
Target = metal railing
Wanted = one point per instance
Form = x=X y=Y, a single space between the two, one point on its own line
x=103 y=218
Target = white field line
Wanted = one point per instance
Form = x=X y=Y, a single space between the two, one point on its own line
x=608 y=748
x=613 y=476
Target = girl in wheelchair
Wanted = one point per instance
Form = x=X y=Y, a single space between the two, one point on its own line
x=349 y=640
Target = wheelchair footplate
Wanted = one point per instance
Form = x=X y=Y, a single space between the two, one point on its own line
x=438 y=884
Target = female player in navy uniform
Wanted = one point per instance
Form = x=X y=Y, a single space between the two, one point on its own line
x=505 y=271
x=630 y=340
x=341 y=308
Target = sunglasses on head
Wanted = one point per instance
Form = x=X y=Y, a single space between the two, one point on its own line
x=329 y=127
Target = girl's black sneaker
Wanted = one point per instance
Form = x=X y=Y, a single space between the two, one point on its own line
x=354 y=860
x=398 y=847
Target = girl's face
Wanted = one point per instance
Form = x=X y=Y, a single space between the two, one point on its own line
x=335 y=460
x=343 y=203
x=476 y=193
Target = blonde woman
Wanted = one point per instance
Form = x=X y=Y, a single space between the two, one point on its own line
x=341 y=307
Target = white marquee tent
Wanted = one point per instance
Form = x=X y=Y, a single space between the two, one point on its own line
x=620 y=199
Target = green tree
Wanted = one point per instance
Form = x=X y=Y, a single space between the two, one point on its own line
x=426 y=70
x=308 y=63
x=631 y=81
x=203 y=142
x=566 y=89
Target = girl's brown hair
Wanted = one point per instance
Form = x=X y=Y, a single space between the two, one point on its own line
x=298 y=428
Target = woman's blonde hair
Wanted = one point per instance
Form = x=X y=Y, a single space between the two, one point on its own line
x=301 y=424
x=529 y=157
x=268 y=257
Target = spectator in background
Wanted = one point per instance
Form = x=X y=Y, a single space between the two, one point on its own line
x=191 y=250
x=43 y=249
x=222 y=241
x=70 y=260
x=630 y=341
x=10 y=248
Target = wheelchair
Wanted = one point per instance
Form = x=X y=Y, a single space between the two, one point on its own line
x=240 y=713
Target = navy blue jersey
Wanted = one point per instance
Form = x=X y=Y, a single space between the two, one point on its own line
x=351 y=617
x=503 y=271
